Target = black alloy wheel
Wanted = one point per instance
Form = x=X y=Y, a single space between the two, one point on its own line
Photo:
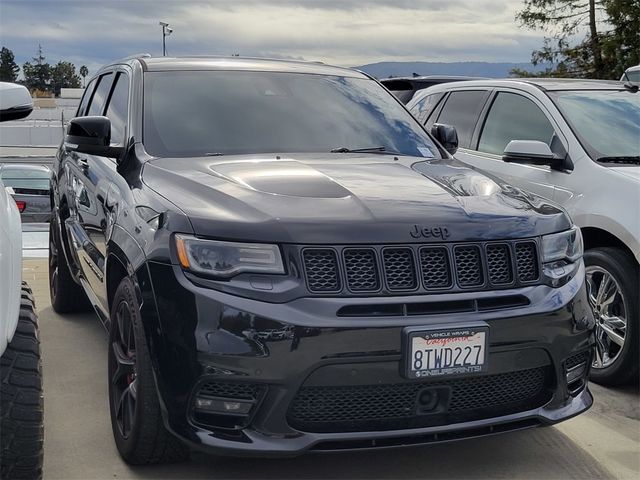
x=122 y=369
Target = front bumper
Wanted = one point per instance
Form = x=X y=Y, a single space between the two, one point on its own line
x=202 y=336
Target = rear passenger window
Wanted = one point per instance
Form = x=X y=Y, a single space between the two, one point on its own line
x=513 y=117
x=423 y=108
x=462 y=111
x=117 y=109
x=100 y=95
x=85 y=99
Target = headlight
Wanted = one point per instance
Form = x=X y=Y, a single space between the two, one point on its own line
x=562 y=246
x=226 y=259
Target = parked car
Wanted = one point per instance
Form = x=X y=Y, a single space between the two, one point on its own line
x=30 y=187
x=578 y=143
x=21 y=400
x=631 y=74
x=287 y=261
x=19 y=99
x=405 y=87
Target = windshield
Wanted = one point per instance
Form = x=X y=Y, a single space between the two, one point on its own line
x=632 y=75
x=607 y=123
x=195 y=113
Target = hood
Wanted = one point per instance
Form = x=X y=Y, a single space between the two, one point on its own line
x=630 y=171
x=347 y=198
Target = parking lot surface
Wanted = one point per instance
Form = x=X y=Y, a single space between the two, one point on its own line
x=603 y=443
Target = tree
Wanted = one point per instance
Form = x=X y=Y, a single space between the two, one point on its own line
x=9 y=69
x=63 y=75
x=621 y=46
x=37 y=75
x=585 y=38
x=84 y=71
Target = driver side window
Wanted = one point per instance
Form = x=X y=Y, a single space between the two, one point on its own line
x=513 y=117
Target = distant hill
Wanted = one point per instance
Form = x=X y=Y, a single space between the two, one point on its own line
x=475 y=69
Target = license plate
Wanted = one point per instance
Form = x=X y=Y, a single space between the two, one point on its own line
x=435 y=353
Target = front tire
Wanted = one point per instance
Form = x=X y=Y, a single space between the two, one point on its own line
x=22 y=410
x=136 y=421
x=613 y=288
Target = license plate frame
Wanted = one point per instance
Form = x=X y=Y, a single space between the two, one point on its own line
x=445 y=337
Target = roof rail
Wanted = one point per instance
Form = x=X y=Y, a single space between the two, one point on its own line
x=136 y=55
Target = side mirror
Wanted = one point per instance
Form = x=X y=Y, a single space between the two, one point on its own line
x=15 y=102
x=532 y=152
x=447 y=136
x=91 y=135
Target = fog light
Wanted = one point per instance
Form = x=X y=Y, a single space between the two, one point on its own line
x=220 y=405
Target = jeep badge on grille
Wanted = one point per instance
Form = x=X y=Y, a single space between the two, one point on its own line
x=429 y=232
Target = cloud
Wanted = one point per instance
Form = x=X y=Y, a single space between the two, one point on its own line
x=344 y=32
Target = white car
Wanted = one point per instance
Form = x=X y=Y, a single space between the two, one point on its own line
x=21 y=427
x=631 y=74
x=576 y=142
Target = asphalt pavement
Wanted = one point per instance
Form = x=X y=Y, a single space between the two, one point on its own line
x=602 y=443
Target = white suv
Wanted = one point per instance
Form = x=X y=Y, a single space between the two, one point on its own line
x=21 y=406
x=576 y=142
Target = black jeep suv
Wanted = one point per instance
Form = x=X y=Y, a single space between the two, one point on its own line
x=286 y=261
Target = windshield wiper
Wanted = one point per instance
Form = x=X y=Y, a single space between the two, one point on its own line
x=621 y=159
x=358 y=150
x=381 y=149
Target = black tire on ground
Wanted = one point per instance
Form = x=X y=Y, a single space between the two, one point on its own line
x=66 y=295
x=147 y=441
x=22 y=430
x=624 y=269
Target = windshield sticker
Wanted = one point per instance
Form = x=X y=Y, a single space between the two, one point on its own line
x=425 y=152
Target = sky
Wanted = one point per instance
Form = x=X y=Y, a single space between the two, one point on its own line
x=341 y=32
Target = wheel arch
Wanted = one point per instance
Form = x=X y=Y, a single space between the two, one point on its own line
x=595 y=237
x=125 y=258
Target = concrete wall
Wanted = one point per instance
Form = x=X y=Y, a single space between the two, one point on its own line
x=71 y=92
x=44 y=127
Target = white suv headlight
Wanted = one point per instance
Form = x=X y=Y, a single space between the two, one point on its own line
x=562 y=246
x=226 y=259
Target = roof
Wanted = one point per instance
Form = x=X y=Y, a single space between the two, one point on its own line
x=434 y=78
x=545 y=84
x=633 y=69
x=154 y=64
x=551 y=84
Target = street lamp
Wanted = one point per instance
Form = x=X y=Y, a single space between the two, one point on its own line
x=166 y=31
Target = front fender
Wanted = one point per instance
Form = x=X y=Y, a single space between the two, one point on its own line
x=608 y=224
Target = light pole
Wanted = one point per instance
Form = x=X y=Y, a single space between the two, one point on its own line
x=166 y=31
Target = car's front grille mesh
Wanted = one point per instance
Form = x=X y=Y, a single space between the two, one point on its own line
x=577 y=359
x=499 y=264
x=244 y=391
x=469 y=266
x=321 y=268
x=527 y=260
x=361 y=269
x=435 y=267
x=397 y=406
x=420 y=268
x=399 y=268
